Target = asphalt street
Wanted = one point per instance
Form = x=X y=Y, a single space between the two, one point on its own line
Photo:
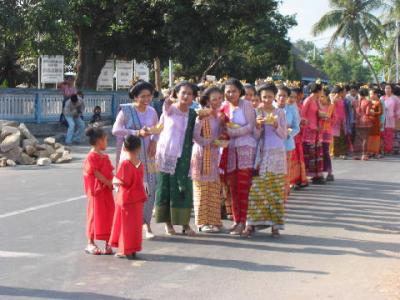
x=342 y=241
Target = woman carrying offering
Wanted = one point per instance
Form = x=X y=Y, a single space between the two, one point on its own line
x=267 y=194
x=205 y=162
x=241 y=150
x=311 y=141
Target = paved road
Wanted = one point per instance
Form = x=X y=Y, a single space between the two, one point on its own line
x=342 y=242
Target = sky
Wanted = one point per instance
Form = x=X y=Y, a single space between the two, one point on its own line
x=308 y=12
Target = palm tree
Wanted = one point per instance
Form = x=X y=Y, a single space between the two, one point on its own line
x=353 y=21
x=391 y=21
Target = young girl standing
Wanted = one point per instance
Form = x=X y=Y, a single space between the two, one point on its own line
x=98 y=174
x=374 y=137
x=205 y=164
x=128 y=219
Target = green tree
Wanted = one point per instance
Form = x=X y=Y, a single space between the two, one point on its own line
x=355 y=22
x=344 y=66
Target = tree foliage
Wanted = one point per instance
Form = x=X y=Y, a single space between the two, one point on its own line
x=244 y=38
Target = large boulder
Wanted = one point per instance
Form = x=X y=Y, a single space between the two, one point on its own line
x=8 y=130
x=42 y=154
x=30 y=150
x=3 y=162
x=10 y=141
x=13 y=154
x=11 y=163
x=65 y=158
x=50 y=141
x=55 y=156
x=25 y=159
x=44 y=161
x=29 y=142
x=50 y=149
x=57 y=145
x=41 y=147
x=60 y=150
x=25 y=133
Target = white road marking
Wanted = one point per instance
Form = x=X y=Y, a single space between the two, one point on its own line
x=38 y=207
x=10 y=254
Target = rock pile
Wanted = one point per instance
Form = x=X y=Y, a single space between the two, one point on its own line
x=19 y=146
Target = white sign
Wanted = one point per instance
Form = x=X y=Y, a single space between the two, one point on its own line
x=124 y=70
x=52 y=69
x=106 y=77
x=211 y=78
x=142 y=71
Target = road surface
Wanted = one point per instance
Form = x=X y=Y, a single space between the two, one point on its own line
x=342 y=241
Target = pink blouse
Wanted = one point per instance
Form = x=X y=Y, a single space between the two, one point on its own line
x=392 y=111
x=309 y=113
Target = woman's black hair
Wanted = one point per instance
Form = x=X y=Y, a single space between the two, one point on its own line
x=271 y=87
x=250 y=86
x=235 y=82
x=140 y=86
x=364 y=92
x=376 y=91
x=205 y=97
x=285 y=88
x=354 y=87
x=181 y=84
x=396 y=90
x=315 y=87
x=94 y=134
x=337 y=89
x=97 y=108
x=74 y=98
x=132 y=143
x=327 y=92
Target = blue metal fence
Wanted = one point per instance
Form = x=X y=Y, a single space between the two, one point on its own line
x=39 y=106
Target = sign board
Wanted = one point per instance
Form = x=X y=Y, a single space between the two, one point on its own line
x=211 y=78
x=124 y=70
x=106 y=77
x=142 y=71
x=52 y=69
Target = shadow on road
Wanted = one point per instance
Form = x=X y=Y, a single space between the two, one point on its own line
x=224 y=263
x=51 y=294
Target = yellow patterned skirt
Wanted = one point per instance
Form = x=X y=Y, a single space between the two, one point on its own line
x=266 y=201
x=207 y=202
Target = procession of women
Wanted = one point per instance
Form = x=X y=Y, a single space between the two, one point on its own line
x=227 y=150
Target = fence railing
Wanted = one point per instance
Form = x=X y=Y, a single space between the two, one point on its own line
x=40 y=106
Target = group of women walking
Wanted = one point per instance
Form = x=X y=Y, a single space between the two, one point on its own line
x=242 y=149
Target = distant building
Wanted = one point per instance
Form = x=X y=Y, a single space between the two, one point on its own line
x=306 y=71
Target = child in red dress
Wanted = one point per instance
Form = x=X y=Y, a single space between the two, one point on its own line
x=98 y=174
x=126 y=232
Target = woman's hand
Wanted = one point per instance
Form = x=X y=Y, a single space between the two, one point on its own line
x=144 y=132
x=151 y=151
x=259 y=122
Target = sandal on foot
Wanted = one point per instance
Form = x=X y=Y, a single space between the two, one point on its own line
x=107 y=250
x=233 y=227
x=188 y=231
x=93 y=250
x=238 y=230
x=206 y=229
x=170 y=231
x=248 y=232
x=275 y=233
x=149 y=235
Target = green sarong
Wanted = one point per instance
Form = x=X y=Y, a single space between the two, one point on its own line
x=174 y=193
